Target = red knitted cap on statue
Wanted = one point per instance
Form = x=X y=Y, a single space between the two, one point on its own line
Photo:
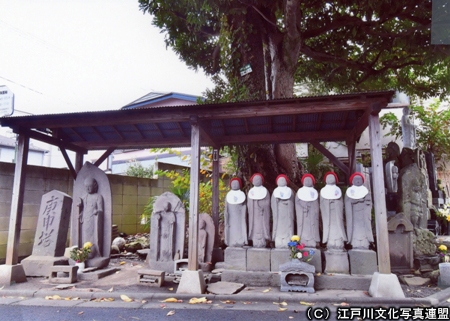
x=236 y=179
x=356 y=174
x=280 y=176
x=310 y=176
x=330 y=173
x=257 y=174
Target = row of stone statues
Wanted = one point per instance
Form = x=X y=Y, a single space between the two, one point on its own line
x=304 y=207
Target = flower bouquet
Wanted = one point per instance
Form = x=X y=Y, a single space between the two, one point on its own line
x=81 y=255
x=442 y=251
x=444 y=213
x=298 y=250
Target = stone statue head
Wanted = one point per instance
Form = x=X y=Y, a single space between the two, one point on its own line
x=167 y=207
x=308 y=180
x=357 y=179
x=91 y=185
x=282 y=180
x=405 y=111
x=257 y=179
x=394 y=171
x=392 y=151
x=235 y=183
x=201 y=224
x=331 y=178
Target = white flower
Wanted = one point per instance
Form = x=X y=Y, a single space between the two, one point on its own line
x=299 y=255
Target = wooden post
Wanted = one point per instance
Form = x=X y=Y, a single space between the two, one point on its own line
x=379 y=199
x=15 y=219
x=351 y=147
x=194 y=194
x=215 y=196
x=78 y=161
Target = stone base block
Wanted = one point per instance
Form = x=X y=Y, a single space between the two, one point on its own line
x=277 y=257
x=385 y=286
x=11 y=274
x=35 y=265
x=236 y=258
x=336 y=262
x=96 y=274
x=63 y=274
x=297 y=276
x=316 y=259
x=151 y=277
x=167 y=267
x=444 y=275
x=252 y=278
x=363 y=262
x=192 y=282
x=258 y=260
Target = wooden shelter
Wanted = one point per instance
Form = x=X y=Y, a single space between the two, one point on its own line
x=307 y=119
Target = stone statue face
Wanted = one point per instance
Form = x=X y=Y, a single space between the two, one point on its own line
x=281 y=182
x=330 y=180
x=257 y=180
x=357 y=180
x=395 y=172
x=202 y=224
x=167 y=207
x=405 y=111
x=91 y=185
x=235 y=185
x=308 y=182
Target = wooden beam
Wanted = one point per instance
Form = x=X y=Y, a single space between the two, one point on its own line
x=379 y=198
x=104 y=156
x=139 y=132
x=205 y=137
x=78 y=162
x=331 y=157
x=194 y=196
x=215 y=196
x=15 y=218
x=140 y=143
x=159 y=130
x=69 y=163
x=351 y=148
x=97 y=132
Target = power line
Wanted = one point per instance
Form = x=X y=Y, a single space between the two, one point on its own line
x=16 y=83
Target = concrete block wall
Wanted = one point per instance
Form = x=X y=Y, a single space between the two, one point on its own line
x=129 y=197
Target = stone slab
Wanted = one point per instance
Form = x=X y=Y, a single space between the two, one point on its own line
x=63 y=274
x=362 y=262
x=316 y=259
x=150 y=278
x=167 y=267
x=236 y=258
x=192 y=282
x=11 y=274
x=252 y=278
x=97 y=274
x=414 y=280
x=336 y=262
x=258 y=260
x=385 y=286
x=36 y=265
x=444 y=275
x=277 y=257
x=225 y=287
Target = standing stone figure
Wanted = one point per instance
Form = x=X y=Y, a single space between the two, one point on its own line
x=235 y=215
x=258 y=204
x=358 y=208
x=307 y=211
x=391 y=172
x=165 y=225
x=91 y=219
x=332 y=209
x=206 y=233
x=408 y=130
x=282 y=203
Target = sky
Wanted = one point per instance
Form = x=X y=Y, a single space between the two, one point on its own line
x=64 y=56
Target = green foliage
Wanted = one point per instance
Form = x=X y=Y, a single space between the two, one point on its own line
x=317 y=165
x=136 y=169
x=147 y=214
x=433 y=128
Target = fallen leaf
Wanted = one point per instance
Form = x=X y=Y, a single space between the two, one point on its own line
x=135 y=318
x=125 y=298
x=80 y=313
x=2 y=287
x=342 y=304
x=53 y=297
x=170 y=289
x=228 y=302
x=144 y=301
x=282 y=309
x=122 y=263
x=266 y=290
x=291 y=317
x=172 y=300
x=306 y=303
x=75 y=299
x=247 y=302
x=283 y=303
x=199 y=300
x=110 y=290
x=318 y=274
x=171 y=313
x=448 y=300
x=163 y=306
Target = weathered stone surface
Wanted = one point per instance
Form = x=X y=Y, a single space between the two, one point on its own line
x=444 y=277
x=362 y=262
x=307 y=212
x=92 y=214
x=283 y=213
x=235 y=216
x=51 y=234
x=192 y=282
x=133 y=247
x=252 y=278
x=277 y=257
x=427 y=263
x=206 y=234
x=385 y=286
x=423 y=242
x=258 y=205
x=400 y=243
x=236 y=258
x=297 y=276
x=414 y=280
x=316 y=260
x=119 y=242
x=336 y=262
x=258 y=259
x=167 y=234
x=225 y=287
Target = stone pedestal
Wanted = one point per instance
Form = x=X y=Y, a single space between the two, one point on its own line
x=400 y=243
x=236 y=258
x=10 y=274
x=277 y=257
x=362 y=262
x=444 y=275
x=316 y=259
x=336 y=262
x=192 y=282
x=385 y=286
x=42 y=265
x=297 y=276
x=258 y=260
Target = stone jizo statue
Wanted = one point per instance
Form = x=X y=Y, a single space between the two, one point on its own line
x=235 y=215
x=358 y=208
x=307 y=211
x=206 y=233
x=282 y=203
x=408 y=129
x=332 y=209
x=258 y=204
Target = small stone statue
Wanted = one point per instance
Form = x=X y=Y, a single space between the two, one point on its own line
x=258 y=204
x=235 y=215
x=206 y=233
x=307 y=210
x=391 y=172
x=165 y=225
x=282 y=203
x=408 y=130
x=358 y=208
x=332 y=209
